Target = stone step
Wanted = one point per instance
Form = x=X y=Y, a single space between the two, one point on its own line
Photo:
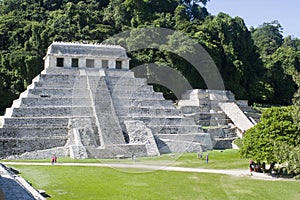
x=134 y=97
x=23 y=132
x=220 y=123
x=207 y=116
x=52 y=78
x=146 y=103
x=191 y=137
x=58 y=92
x=15 y=146
x=194 y=109
x=132 y=90
x=163 y=120
x=148 y=111
x=115 y=82
x=151 y=103
x=119 y=73
x=92 y=72
x=39 y=121
x=61 y=70
x=127 y=87
x=175 y=129
x=48 y=102
x=53 y=112
x=61 y=84
x=54 y=85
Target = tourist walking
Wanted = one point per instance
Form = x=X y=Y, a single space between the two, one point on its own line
x=53 y=160
x=251 y=166
x=133 y=156
x=206 y=158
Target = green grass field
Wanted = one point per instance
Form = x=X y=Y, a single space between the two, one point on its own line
x=228 y=159
x=64 y=182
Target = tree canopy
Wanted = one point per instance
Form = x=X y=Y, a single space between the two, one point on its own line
x=258 y=64
x=276 y=138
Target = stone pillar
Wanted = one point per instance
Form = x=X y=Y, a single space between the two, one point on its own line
x=112 y=64
x=67 y=61
x=82 y=62
x=125 y=64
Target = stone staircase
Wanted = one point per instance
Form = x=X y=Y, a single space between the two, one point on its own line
x=232 y=110
x=110 y=111
x=134 y=100
x=39 y=119
x=219 y=114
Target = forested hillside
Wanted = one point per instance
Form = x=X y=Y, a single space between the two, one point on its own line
x=257 y=64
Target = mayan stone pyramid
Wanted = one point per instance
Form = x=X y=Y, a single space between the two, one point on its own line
x=86 y=103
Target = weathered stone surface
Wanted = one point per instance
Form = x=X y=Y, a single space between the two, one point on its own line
x=216 y=110
x=176 y=146
x=139 y=133
x=94 y=112
x=118 y=150
x=236 y=115
x=48 y=153
x=184 y=142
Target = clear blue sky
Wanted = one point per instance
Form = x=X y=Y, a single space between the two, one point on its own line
x=256 y=12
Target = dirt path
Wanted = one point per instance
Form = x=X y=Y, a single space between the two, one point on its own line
x=149 y=168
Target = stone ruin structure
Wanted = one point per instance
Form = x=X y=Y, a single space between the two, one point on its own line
x=219 y=114
x=86 y=103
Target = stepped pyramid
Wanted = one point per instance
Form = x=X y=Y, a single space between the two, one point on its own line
x=86 y=103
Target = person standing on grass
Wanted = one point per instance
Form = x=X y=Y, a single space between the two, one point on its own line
x=133 y=156
x=251 y=166
x=53 y=160
x=206 y=158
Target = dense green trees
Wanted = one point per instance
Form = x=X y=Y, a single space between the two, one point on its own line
x=276 y=138
x=259 y=65
x=230 y=44
x=281 y=61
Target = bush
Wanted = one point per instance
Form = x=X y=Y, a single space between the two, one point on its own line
x=238 y=142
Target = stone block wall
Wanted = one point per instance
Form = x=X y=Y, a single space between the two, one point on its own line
x=104 y=110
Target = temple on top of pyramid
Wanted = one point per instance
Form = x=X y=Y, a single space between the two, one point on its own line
x=80 y=55
x=86 y=103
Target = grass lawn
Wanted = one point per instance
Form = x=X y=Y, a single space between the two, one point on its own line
x=64 y=182
x=227 y=159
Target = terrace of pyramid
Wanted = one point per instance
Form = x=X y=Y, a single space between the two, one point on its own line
x=87 y=103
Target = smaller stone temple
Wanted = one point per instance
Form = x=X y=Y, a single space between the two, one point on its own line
x=86 y=103
x=219 y=114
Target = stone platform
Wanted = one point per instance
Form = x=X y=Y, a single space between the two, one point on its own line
x=219 y=113
x=96 y=113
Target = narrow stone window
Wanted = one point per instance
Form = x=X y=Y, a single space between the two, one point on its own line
x=74 y=62
x=104 y=63
x=90 y=63
x=59 y=62
x=118 y=64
